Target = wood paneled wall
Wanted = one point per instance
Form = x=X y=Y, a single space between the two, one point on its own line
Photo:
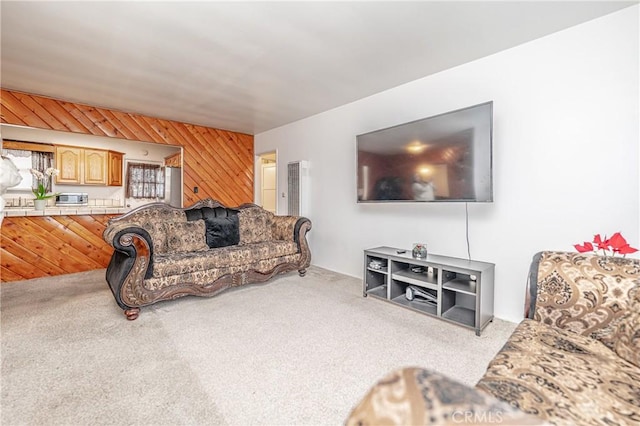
x=218 y=162
x=42 y=246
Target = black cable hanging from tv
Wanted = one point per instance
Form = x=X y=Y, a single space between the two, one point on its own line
x=466 y=209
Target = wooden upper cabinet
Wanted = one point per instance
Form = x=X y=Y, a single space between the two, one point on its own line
x=69 y=163
x=95 y=167
x=83 y=166
x=174 y=160
x=115 y=168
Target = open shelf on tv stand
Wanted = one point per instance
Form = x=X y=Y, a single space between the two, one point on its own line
x=449 y=288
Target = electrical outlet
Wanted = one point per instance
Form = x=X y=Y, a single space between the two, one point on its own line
x=195 y=189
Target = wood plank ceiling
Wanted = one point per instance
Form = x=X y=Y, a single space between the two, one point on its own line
x=219 y=162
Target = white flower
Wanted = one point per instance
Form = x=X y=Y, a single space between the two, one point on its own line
x=52 y=172
x=37 y=174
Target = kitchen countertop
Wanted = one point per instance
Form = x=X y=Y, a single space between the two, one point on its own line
x=63 y=211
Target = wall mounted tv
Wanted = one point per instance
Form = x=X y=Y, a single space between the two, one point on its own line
x=444 y=158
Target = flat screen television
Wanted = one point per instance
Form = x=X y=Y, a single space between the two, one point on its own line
x=444 y=158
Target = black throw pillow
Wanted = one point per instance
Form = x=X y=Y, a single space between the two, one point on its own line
x=222 y=231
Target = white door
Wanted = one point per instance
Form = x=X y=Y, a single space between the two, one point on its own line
x=268 y=182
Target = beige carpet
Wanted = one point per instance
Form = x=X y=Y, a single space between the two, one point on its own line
x=290 y=352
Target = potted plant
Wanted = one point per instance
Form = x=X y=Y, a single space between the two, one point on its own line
x=41 y=182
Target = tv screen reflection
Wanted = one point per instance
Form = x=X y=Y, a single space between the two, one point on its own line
x=441 y=158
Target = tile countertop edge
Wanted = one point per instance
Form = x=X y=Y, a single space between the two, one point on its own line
x=56 y=211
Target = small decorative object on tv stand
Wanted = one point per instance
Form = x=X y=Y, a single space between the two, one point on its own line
x=453 y=289
x=419 y=250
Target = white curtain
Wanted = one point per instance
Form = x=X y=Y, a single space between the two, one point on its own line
x=145 y=180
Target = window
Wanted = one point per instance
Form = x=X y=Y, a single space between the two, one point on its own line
x=145 y=180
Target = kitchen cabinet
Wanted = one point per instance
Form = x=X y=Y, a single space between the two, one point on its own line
x=115 y=168
x=95 y=167
x=68 y=162
x=174 y=160
x=88 y=166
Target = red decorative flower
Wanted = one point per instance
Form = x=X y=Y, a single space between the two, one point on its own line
x=587 y=246
x=602 y=245
x=615 y=244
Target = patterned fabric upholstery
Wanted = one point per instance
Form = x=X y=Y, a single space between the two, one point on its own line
x=283 y=226
x=415 y=396
x=207 y=277
x=146 y=216
x=152 y=221
x=146 y=219
x=255 y=225
x=185 y=237
x=158 y=233
x=563 y=377
x=576 y=362
x=188 y=262
x=584 y=293
x=628 y=344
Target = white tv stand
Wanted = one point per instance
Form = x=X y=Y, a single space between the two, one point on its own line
x=458 y=290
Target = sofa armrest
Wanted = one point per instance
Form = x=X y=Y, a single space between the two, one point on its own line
x=583 y=293
x=113 y=233
x=532 y=287
x=294 y=228
x=287 y=228
x=132 y=260
x=416 y=396
x=119 y=236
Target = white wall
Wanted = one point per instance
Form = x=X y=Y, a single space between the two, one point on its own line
x=566 y=160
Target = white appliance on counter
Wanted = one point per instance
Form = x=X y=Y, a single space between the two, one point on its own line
x=173 y=186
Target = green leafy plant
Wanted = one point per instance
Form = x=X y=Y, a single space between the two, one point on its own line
x=41 y=182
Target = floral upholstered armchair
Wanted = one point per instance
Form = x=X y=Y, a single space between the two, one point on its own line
x=576 y=358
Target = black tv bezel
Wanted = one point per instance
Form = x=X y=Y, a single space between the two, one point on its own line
x=491 y=197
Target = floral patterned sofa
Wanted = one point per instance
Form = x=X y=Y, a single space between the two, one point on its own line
x=163 y=253
x=574 y=360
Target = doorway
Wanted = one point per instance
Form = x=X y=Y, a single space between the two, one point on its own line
x=266 y=195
